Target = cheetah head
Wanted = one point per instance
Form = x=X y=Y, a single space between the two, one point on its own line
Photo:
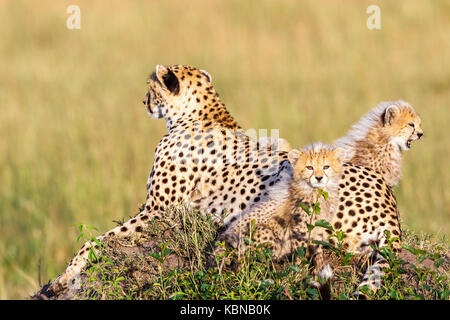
x=317 y=165
x=172 y=90
x=401 y=124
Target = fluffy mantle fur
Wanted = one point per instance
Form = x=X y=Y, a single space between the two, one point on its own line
x=368 y=145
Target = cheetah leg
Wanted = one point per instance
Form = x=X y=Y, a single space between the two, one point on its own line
x=235 y=237
x=198 y=199
x=80 y=261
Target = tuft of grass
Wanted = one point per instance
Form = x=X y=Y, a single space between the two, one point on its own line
x=173 y=260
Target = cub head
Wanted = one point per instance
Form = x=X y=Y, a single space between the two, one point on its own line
x=317 y=165
x=171 y=90
x=401 y=124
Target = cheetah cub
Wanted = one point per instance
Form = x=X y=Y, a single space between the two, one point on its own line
x=379 y=138
x=280 y=221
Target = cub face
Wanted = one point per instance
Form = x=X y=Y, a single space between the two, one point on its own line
x=168 y=87
x=317 y=165
x=402 y=125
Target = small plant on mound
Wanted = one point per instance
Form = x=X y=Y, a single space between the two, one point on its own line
x=417 y=274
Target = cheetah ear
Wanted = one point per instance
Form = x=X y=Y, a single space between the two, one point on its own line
x=207 y=75
x=168 y=79
x=160 y=71
x=293 y=156
x=391 y=112
x=340 y=154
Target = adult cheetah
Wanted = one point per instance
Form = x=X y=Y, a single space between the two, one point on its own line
x=203 y=146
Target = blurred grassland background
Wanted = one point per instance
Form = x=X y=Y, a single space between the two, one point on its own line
x=76 y=144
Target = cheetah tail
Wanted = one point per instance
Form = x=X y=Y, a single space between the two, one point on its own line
x=323 y=285
x=70 y=279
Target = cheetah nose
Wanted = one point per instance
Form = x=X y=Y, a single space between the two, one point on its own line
x=419 y=135
x=319 y=178
x=144 y=101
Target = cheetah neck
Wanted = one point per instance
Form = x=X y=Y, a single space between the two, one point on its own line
x=376 y=152
x=205 y=108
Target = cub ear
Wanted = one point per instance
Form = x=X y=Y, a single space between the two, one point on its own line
x=168 y=79
x=340 y=154
x=207 y=75
x=391 y=112
x=293 y=156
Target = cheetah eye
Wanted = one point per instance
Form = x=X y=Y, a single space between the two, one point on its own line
x=411 y=125
x=309 y=168
x=326 y=167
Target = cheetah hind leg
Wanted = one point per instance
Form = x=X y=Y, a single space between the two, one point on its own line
x=235 y=237
x=232 y=238
x=72 y=273
x=198 y=198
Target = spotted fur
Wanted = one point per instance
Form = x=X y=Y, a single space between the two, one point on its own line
x=204 y=148
x=279 y=220
x=379 y=137
x=374 y=162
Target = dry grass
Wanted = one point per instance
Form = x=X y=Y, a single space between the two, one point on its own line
x=77 y=146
